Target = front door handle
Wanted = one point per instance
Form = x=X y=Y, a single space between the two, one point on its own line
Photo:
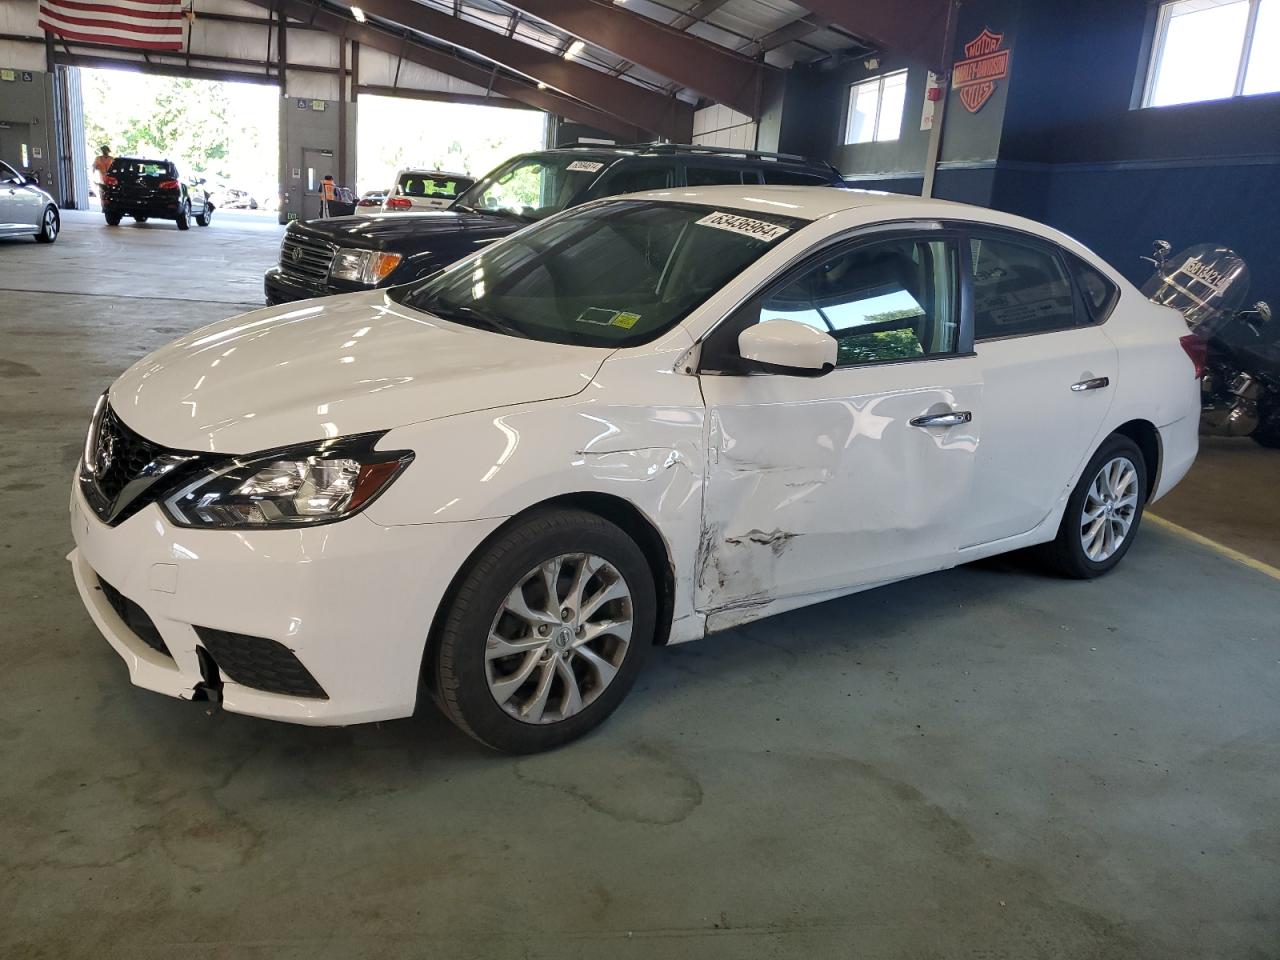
x=953 y=419
x=1097 y=383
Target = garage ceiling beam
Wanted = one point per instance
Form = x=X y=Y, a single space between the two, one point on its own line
x=697 y=13
x=416 y=52
x=915 y=30
x=795 y=30
x=657 y=113
x=714 y=71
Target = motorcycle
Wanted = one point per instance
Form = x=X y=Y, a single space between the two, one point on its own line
x=1240 y=389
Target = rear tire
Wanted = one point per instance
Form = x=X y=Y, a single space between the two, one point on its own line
x=1267 y=432
x=113 y=219
x=50 y=225
x=183 y=219
x=205 y=216
x=138 y=219
x=564 y=674
x=1103 y=512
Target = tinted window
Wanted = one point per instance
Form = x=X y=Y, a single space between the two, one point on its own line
x=1099 y=293
x=419 y=185
x=633 y=178
x=795 y=178
x=699 y=176
x=533 y=187
x=887 y=300
x=612 y=274
x=125 y=166
x=7 y=173
x=1018 y=288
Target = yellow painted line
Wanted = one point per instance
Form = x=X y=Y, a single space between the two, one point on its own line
x=1219 y=548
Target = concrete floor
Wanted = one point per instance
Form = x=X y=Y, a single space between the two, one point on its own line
x=981 y=763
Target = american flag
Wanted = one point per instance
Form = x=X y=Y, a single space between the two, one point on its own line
x=148 y=24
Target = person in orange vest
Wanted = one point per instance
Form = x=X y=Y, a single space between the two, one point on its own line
x=328 y=193
x=101 y=164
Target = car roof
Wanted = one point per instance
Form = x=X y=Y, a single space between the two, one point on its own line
x=753 y=158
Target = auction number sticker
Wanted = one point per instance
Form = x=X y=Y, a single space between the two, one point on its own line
x=584 y=166
x=746 y=226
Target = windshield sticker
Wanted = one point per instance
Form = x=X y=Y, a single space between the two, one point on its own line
x=584 y=166
x=598 y=316
x=746 y=226
x=626 y=320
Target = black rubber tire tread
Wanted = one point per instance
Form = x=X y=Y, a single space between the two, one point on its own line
x=43 y=235
x=113 y=219
x=204 y=217
x=1065 y=554
x=459 y=684
x=184 y=218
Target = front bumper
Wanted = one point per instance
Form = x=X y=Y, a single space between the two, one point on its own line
x=353 y=601
x=280 y=287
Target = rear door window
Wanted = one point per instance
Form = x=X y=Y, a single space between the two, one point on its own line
x=632 y=178
x=1098 y=293
x=1019 y=288
x=710 y=175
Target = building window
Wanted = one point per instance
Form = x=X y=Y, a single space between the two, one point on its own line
x=875 y=108
x=1213 y=49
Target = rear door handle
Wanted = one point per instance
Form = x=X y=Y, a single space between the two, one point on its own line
x=953 y=419
x=1097 y=383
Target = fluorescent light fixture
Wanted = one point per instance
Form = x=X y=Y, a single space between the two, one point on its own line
x=575 y=48
x=541 y=85
x=358 y=14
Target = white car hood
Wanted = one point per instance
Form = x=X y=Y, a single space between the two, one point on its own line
x=334 y=367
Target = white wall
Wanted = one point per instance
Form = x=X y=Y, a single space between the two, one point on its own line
x=718 y=126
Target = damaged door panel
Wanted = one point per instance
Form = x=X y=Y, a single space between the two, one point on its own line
x=826 y=484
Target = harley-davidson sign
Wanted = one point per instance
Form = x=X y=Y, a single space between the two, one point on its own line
x=986 y=61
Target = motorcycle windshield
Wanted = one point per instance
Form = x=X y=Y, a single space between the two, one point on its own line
x=1207 y=284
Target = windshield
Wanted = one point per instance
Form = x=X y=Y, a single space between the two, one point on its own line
x=612 y=274
x=431 y=185
x=532 y=187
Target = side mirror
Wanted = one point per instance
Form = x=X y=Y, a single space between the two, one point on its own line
x=788 y=347
x=1160 y=251
x=1263 y=310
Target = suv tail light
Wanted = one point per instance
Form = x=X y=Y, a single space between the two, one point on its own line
x=1197 y=350
x=168 y=184
x=109 y=181
x=399 y=203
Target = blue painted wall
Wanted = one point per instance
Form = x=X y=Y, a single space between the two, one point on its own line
x=1073 y=151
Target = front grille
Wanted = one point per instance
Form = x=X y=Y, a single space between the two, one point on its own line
x=135 y=618
x=129 y=470
x=303 y=256
x=260 y=663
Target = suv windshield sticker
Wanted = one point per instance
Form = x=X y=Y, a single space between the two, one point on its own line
x=584 y=166
x=626 y=320
x=600 y=316
x=747 y=226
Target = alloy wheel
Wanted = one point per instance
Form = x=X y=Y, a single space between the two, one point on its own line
x=1110 y=507
x=50 y=223
x=559 y=638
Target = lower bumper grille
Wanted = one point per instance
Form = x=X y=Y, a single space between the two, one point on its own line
x=135 y=618
x=260 y=663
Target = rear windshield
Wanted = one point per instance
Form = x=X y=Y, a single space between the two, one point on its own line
x=612 y=274
x=142 y=168
x=425 y=185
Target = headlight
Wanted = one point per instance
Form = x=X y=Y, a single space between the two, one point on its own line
x=291 y=486
x=363 y=266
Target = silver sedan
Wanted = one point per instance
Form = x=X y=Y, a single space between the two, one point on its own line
x=25 y=208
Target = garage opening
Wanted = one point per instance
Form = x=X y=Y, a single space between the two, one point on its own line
x=396 y=133
x=222 y=132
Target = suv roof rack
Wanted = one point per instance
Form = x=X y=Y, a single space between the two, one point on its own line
x=694 y=148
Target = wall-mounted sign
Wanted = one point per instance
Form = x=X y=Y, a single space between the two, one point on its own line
x=318 y=105
x=37 y=152
x=26 y=76
x=8 y=75
x=932 y=94
x=986 y=61
x=301 y=104
x=297 y=173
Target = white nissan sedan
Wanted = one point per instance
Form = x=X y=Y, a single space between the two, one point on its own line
x=638 y=422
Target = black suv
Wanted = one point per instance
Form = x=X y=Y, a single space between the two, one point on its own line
x=143 y=189
x=346 y=254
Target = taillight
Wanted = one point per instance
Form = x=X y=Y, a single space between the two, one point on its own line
x=399 y=203
x=109 y=181
x=1197 y=350
x=168 y=184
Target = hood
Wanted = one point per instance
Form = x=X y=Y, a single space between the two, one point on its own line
x=413 y=230
x=334 y=367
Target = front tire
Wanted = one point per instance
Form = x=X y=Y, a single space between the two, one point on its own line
x=50 y=225
x=546 y=632
x=205 y=216
x=184 y=218
x=113 y=219
x=1103 y=512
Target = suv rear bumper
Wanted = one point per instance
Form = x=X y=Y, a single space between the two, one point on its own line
x=148 y=208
